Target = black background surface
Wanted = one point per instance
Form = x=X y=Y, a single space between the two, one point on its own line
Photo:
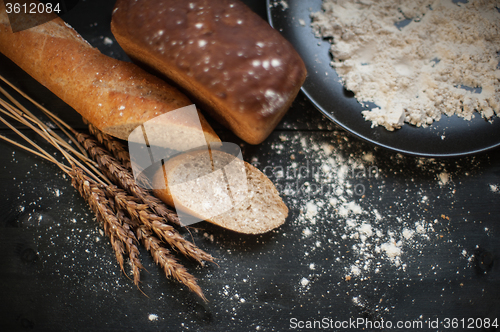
x=58 y=272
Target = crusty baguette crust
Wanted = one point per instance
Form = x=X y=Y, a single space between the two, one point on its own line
x=113 y=95
x=225 y=56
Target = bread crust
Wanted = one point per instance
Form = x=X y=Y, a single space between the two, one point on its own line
x=225 y=56
x=113 y=95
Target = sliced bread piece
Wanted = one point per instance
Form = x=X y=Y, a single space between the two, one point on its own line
x=205 y=184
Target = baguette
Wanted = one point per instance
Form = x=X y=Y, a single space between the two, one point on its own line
x=189 y=183
x=113 y=95
x=239 y=69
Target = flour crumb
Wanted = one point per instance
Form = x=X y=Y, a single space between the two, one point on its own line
x=363 y=237
x=283 y=3
x=408 y=233
x=304 y=282
x=391 y=249
x=366 y=230
x=443 y=178
x=494 y=188
x=302 y=22
x=356 y=271
x=108 y=41
x=419 y=228
x=311 y=210
x=153 y=317
x=349 y=208
x=209 y=237
x=368 y=157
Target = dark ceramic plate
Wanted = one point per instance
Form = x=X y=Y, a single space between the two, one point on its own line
x=451 y=136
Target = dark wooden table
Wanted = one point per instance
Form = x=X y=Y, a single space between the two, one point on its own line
x=331 y=262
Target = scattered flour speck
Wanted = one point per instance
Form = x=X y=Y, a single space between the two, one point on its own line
x=366 y=236
x=108 y=41
x=444 y=177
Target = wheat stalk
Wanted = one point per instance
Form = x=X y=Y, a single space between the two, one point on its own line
x=123 y=156
x=41 y=129
x=125 y=218
x=162 y=256
x=89 y=190
x=61 y=124
x=93 y=194
x=141 y=214
x=112 y=145
x=113 y=227
x=114 y=170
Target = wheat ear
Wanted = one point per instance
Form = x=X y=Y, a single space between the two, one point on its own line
x=162 y=256
x=114 y=170
x=120 y=234
x=167 y=261
x=141 y=214
x=111 y=211
x=112 y=145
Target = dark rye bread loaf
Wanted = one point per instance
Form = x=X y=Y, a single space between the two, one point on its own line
x=221 y=53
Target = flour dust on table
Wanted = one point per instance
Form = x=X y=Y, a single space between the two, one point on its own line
x=344 y=197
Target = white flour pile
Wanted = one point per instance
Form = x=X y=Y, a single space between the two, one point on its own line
x=445 y=61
